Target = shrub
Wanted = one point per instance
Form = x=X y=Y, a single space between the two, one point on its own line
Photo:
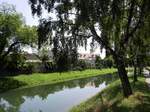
x=14 y=62
x=27 y=68
x=81 y=64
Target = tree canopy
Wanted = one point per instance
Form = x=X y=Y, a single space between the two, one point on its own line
x=14 y=34
x=111 y=23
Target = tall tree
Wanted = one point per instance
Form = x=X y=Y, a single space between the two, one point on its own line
x=112 y=23
x=13 y=32
x=139 y=47
x=64 y=47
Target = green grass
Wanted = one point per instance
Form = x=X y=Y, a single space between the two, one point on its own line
x=36 y=79
x=111 y=99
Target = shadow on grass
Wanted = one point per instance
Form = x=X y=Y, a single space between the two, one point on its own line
x=138 y=102
x=9 y=83
x=111 y=99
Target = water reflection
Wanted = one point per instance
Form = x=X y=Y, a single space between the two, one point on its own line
x=53 y=98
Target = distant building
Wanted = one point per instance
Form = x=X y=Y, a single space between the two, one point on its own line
x=89 y=58
x=86 y=56
x=37 y=57
x=36 y=62
x=32 y=57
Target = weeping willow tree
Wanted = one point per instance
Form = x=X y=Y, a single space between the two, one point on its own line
x=64 y=45
x=111 y=23
x=139 y=48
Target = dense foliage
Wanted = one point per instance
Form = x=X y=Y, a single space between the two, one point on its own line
x=107 y=62
x=14 y=35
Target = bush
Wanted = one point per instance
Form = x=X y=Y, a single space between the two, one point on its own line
x=98 y=62
x=81 y=64
x=78 y=68
x=14 y=62
x=107 y=62
x=49 y=67
x=63 y=62
x=27 y=68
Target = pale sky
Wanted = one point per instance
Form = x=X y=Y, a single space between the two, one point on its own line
x=23 y=7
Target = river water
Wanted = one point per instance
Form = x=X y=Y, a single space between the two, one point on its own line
x=53 y=98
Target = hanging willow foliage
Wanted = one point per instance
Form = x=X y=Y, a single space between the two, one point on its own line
x=111 y=23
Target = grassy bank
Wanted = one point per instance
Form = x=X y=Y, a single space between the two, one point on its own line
x=37 y=79
x=112 y=100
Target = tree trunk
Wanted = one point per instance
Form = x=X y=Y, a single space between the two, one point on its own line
x=140 y=71
x=135 y=74
x=127 y=91
x=135 y=71
x=140 y=65
x=1 y=64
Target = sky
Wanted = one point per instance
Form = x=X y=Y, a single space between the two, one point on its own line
x=23 y=7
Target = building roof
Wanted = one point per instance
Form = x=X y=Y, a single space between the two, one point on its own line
x=86 y=56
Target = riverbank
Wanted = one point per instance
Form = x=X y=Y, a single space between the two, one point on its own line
x=37 y=79
x=111 y=99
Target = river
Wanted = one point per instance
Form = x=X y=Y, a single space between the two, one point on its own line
x=53 y=98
